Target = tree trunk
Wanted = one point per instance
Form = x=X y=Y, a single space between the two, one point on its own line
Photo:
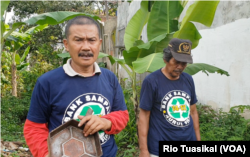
x=13 y=75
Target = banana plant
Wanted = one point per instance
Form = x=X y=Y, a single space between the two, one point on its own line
x=162 y=19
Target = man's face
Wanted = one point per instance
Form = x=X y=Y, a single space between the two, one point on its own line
x=83 y=45
x=174 y=68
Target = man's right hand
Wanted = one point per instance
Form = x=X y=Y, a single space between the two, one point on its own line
x=144 y=153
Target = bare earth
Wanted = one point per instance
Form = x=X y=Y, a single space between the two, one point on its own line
x=14 y=149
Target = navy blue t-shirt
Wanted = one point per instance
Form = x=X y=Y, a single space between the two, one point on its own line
x=169 y=102
x=58 y=97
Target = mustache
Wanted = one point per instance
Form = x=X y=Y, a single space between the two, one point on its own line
x=178 y=71
x=85 y=54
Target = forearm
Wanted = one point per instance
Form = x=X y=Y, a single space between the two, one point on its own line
x=195 y=117
x=119 y=120
x=36 y=135
x=143 y=126
x=196 y=126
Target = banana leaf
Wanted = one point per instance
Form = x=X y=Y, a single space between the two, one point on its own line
x=206 y=68
x=200 y=11
x=4 y=6
x=53 y=18
x=135 y=25
x=163 y=18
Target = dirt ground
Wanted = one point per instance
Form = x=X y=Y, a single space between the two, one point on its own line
x=14 y=149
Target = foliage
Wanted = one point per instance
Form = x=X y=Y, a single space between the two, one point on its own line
x=147 y=57
x=5 y=74
x=27 y=79
x=13 y=114
x=24 y=9
x=223 y=126
x=127 y=140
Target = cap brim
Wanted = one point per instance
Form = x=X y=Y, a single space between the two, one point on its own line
x=182 y=57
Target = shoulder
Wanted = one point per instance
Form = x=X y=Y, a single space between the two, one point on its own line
x=52 y=75
x=153 y=76
x=107 y=73
x=187 y=76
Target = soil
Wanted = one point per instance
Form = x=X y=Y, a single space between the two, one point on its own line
x=14 y=149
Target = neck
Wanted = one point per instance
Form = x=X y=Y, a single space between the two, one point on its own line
x=165 y=72
x=85 y=71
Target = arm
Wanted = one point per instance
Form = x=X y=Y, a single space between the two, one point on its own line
x=111 y=123
x=36 y=135
x=143 y=126
x=195 y=117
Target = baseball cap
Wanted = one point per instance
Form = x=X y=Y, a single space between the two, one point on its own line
x=181 y=50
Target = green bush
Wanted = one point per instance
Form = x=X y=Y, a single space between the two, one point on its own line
x=127 y=140
x=13 y=114
x=223 y=126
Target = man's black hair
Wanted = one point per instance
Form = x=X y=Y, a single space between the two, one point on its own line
x=167 y=55
x=82 y=20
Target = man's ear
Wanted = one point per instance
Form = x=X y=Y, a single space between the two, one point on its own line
x=65 y=42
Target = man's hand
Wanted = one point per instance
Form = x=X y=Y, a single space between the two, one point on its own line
x=144 y=153
x=93 y=124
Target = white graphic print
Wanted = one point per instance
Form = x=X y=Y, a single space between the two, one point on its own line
x=79 y=106
x=175 y=106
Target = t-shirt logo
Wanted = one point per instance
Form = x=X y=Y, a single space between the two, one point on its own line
x=79 y=106
x=175 y=106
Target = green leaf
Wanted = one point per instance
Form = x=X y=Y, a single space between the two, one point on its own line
x=4 y=6
x=149 y=63
x=135 y=25
x=14 y=27
x=11 y=38
x=64 y=55
x=101 y=55
x=147 y=49
x=36 y=29
x=26 y=52
x=163 y=18
x=22 y=37
x=206 y=68
x=142 y=50
x=200 y=11
x=53 y=18
x=17 y=59
x=20 y=67
x=111 y=58
x=17 y=45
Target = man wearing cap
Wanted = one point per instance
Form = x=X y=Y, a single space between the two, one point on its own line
x=168 y=102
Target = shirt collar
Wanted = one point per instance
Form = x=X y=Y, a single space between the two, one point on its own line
x=71 y=72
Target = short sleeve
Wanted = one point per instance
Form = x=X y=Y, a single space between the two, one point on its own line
x=147 y=95
x=39 y=110
x=193 y=95
x=118 y=102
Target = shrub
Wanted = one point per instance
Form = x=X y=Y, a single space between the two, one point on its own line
x=13 y=114
x=223 y=126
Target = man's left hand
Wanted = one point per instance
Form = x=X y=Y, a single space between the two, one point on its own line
x=93 y=124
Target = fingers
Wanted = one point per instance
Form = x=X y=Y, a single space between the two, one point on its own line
x=83 y=119
x=92 y=123
x=90 y=127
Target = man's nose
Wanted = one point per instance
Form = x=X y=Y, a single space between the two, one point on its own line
x=85 y=45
